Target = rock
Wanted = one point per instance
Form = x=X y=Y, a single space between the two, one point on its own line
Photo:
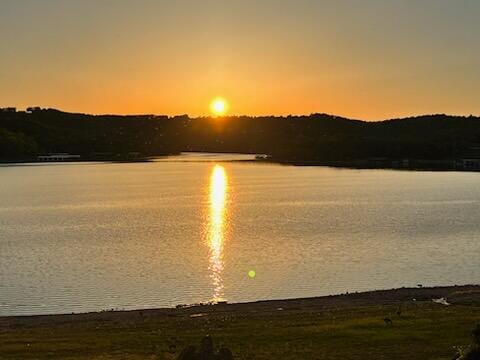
x=225 y=354
x=188 y=353
x=206 y=348
x=206 y=352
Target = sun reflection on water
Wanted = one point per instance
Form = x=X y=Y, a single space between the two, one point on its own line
x=217 y=219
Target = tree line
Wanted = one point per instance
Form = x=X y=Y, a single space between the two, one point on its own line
x=313 y=138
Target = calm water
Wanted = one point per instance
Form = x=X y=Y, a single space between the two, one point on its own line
x=87 y=237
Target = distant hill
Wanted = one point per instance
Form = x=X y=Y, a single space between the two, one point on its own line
x=315 y=138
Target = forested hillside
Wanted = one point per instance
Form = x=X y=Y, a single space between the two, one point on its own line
x=318 y=137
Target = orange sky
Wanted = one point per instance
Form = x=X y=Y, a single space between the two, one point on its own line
x=370 y=59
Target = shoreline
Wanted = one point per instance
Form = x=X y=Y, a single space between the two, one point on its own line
x=415 y=165
x=388 y=164
x=355 y=298
x=385 y=324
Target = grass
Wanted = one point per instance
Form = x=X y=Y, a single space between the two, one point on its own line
x=344 y=327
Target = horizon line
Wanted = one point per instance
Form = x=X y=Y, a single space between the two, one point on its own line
x=39 y=108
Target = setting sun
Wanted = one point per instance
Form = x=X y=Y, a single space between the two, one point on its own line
x=219 y=106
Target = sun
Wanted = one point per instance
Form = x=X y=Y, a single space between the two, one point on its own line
x=219 y=106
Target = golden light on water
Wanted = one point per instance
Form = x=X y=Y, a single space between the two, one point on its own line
x=218 y=192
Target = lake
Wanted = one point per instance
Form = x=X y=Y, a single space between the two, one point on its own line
x=78 y=237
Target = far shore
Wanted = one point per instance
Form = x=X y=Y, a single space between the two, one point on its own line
x=386 y=164
x=366 y=164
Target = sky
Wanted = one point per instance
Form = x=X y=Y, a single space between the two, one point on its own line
x=363 y=59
